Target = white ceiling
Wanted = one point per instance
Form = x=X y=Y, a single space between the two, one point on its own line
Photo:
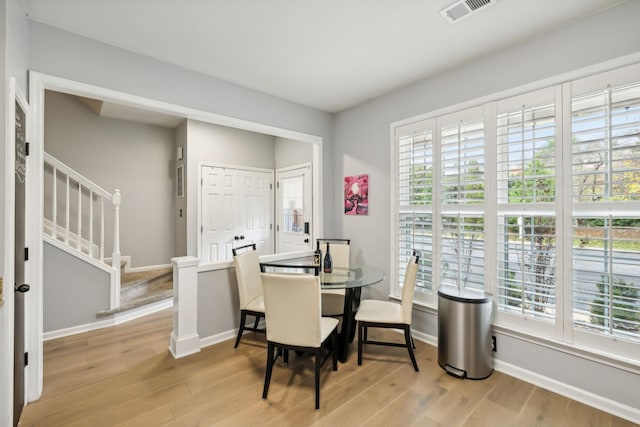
x=327 y=54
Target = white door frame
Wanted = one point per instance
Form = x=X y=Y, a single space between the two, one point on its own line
x=38 y=83
x=309 y=215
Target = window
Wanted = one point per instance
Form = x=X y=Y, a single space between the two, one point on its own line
x=526 y=212
x=605 y=129
x=551 y=180
x=415 y=203
x=462 y=148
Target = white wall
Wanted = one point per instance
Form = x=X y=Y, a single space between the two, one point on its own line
x=366 y=149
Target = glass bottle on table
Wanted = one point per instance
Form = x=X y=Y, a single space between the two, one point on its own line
x=328 y=261
x=317 y=255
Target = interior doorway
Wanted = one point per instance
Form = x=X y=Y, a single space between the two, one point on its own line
x=38 y=84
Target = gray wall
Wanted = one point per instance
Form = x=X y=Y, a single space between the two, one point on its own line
x=73 y=292
x=136 y=158
x=290 y=152
x=365 y=149
x=59 y=53
x=219 y=144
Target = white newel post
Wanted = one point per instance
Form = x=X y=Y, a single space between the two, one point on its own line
x=115 y=260
x=184 y=337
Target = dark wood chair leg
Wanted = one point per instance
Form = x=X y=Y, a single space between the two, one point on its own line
x=334 y=349
x=361 y=336
x=255 y=324
x=267 y=375
x=243 y=319
x=409 y=341
x=317 y=371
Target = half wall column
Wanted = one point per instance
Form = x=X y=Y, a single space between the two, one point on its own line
x=184 y=337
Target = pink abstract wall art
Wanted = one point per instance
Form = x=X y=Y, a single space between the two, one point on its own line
x=356 y=195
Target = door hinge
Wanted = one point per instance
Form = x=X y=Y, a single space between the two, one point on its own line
x=201 y=229
x=278 y=184
x=26 y=254
x=26 y=148
x=270 y=226
x=270 y=186
x=26 y=358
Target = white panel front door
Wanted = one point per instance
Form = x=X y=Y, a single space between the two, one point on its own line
x=294 y=209
x=236 y=210
x=256 y=210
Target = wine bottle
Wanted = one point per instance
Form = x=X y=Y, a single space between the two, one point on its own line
x=328 y=261
x=317 y=255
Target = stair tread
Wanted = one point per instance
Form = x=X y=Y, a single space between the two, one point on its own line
x=141 y=288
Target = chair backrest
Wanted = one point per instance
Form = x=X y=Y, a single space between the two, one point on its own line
x=340 y=251
x=292 y=308
x=408 y=288
x=248 y=276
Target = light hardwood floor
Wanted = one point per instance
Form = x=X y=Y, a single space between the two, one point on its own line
x=125 y=376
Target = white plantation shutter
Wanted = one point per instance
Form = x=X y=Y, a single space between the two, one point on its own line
x=606 y=157
x=526 y=266
x=463 y=163
x=415 y=202
x=606 y=207
x=526 y=193
x=463 y=251
x=536 y=199
x=462 y=197
x=526 y=156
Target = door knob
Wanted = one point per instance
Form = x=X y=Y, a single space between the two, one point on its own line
x=22 y=288
x=241 y=237
x=306 y=240
x=236 y=238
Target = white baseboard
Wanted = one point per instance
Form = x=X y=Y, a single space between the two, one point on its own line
x=117 y=319
x=224 y=336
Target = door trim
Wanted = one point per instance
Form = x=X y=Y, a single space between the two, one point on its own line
x=277 y=201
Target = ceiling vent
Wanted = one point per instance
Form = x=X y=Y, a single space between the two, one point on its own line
x=463 y=8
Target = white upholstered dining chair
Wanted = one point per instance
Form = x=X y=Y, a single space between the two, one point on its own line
x=247 y=265
x=294 y=322
x=333 y=299
x=391 y=315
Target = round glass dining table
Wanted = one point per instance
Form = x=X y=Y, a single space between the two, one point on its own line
x=352 y=280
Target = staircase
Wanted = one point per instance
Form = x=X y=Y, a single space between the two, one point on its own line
x=74 y=219
x=141 y=288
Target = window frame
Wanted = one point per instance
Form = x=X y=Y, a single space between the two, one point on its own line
x=562 y=330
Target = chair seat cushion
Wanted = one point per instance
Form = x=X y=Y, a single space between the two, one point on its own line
x=256 y=304
x=379 y=311
x=327 y=325
x=332 y=302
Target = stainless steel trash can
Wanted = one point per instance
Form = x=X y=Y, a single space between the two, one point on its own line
x=464 y=332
